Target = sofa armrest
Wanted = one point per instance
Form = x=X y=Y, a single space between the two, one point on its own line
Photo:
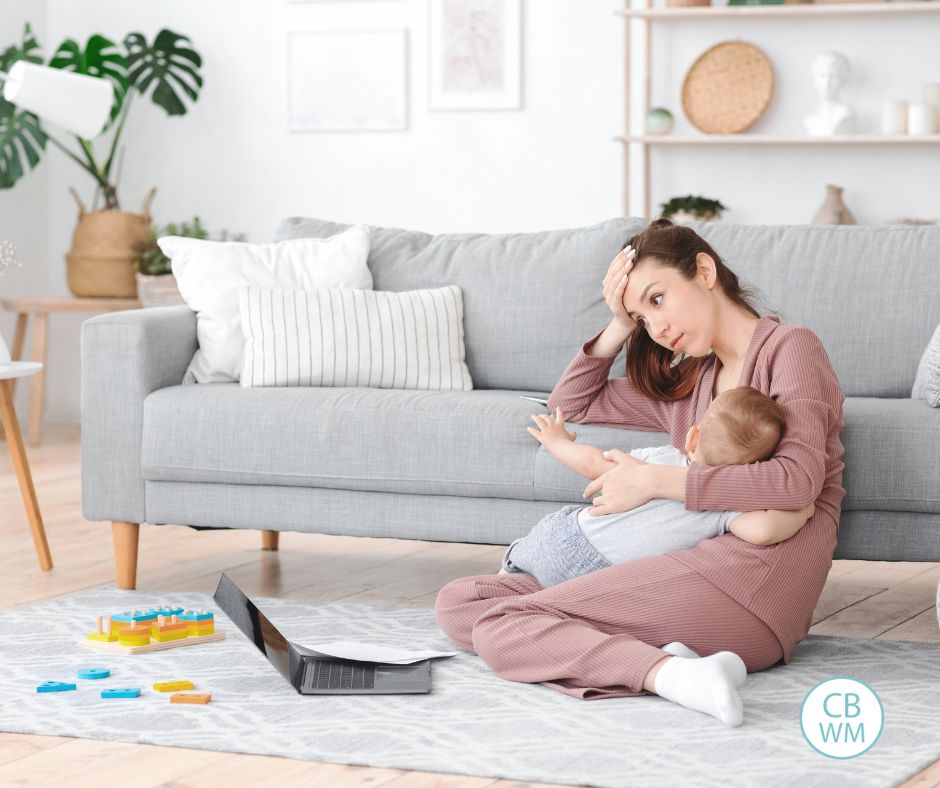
x=125 y=357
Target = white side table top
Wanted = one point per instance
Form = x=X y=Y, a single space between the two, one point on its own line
x=19 y=369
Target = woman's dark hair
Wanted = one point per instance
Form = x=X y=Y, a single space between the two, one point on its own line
x=649 y=363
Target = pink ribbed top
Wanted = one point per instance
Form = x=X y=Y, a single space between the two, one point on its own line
x=781 y=583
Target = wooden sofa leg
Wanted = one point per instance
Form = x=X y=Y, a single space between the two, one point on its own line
x=269 y=540
x=125 y=553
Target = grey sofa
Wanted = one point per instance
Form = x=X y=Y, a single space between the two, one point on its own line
x=460 y=466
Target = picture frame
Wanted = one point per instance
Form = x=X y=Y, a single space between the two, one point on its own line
x=347 y=80
x=474 y=54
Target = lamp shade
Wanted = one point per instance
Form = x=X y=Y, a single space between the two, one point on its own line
x=76 y=102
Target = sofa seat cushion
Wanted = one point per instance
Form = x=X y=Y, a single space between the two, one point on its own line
x=384 y=440
x=470 y=444
x=892 y=462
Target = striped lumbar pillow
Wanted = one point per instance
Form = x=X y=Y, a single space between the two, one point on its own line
x=345 y=337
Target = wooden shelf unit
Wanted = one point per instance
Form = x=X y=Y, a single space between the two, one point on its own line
x=774 y=139
x=646 y=15
x=796 y=9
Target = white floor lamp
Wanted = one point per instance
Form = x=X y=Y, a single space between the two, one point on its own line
x=79 y=103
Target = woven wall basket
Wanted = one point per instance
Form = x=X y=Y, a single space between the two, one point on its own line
x=105 y=245
x=728 y=88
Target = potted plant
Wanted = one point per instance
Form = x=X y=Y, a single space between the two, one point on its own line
x=691 y=208
x=105 y=243
x=156 y=285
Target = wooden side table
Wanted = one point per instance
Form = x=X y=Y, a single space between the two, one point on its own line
x=11 y=428
x=40 y=309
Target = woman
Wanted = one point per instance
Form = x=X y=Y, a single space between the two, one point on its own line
x=600 y=635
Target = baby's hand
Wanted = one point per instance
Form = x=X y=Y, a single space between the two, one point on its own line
x=550 y=431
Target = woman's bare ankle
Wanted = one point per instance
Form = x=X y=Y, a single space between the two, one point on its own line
x=649 y=683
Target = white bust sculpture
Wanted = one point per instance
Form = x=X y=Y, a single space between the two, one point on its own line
x=830 y=70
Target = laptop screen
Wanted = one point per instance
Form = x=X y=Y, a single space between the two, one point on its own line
x=256 y=627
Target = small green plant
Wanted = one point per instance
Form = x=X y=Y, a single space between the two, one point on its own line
x=696 y=205
x=152 y=262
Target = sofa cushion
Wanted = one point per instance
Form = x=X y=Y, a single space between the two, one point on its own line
x=530 y=299
x=820 y=276
x=466 y=444
x=347 y=337
x=385 y=440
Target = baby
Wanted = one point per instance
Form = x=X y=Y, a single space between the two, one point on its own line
x=741 y=426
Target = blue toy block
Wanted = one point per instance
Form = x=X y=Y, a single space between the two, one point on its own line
x=128 y=692
x=129 y=616
x=93 y=673
x=166 y=610
x=193 y=615
x=55 y=686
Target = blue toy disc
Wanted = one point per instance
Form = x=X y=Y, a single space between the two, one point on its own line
x=94 y=673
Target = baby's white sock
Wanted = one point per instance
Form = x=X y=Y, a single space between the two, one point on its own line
x=702 y=685
x=733 y=665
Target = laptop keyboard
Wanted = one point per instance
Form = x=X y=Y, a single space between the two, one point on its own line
x=338 y=674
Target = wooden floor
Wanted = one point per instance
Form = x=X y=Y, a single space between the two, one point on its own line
x=862 y=599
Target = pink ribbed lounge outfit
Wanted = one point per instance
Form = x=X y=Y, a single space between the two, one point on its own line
x=598 y=635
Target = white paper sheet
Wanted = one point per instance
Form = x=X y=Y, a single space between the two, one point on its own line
x=368 y=652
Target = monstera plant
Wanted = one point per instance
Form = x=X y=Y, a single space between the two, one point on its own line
x=167 y=71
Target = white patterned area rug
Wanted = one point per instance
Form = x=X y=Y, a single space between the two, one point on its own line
x=472 y=722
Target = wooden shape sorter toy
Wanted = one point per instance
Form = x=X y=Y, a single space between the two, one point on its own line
x=141 y=631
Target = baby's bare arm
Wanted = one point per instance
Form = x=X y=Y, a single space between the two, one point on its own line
x=589 y=461
x=769 y=526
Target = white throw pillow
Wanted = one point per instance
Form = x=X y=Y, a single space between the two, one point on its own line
x=210 y=273
x=343 y=337
x=927 y=382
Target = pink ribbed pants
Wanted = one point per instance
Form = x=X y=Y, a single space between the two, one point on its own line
x=597 y=636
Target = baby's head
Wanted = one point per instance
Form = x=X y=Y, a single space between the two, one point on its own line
x=740 y=426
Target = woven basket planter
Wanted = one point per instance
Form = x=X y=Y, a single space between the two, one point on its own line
x=105 y=245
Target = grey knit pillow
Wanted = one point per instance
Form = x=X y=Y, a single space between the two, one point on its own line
x=927 y=382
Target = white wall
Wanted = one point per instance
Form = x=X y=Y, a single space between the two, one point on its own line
x=23 y=210
x=553 y=164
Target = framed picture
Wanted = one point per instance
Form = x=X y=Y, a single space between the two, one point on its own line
x=347 y=80
x=474 y=54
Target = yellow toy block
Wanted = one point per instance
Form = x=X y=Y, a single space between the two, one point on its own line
x=173 y=686
x=103 y=637
x=128 y=639
x=105 y=633
x=190 y=697
x=201 y=628
x=164 y=637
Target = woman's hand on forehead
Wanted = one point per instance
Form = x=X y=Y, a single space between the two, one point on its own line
x=615 y=284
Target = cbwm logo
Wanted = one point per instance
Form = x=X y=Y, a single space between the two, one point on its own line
x=841 y=717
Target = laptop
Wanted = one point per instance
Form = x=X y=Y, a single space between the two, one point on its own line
x=310 y=672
